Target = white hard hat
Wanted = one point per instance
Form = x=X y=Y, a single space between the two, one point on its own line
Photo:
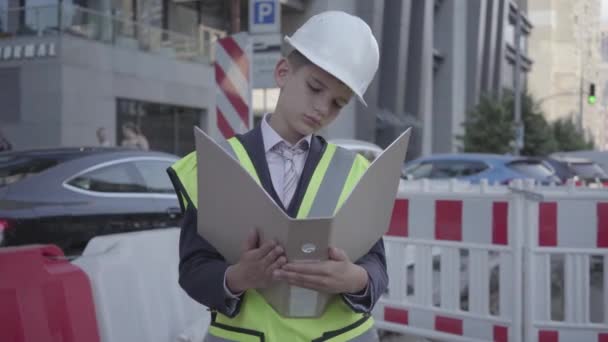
x=341 y=44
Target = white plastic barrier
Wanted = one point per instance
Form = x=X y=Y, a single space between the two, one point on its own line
x=134 y=278
x=567 y=287
x=453 y=264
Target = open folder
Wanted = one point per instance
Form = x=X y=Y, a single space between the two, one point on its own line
x=231 y=203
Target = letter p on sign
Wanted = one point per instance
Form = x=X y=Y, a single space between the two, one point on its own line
x=264 y=12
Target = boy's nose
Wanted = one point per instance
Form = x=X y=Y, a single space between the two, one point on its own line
x=322 y=108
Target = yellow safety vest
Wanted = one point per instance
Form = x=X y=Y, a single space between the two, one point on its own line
x=335 y=176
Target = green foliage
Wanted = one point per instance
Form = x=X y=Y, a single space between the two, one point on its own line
x=568 y=138
x=489 y=128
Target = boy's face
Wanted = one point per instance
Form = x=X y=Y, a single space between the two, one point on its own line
x=310 y=97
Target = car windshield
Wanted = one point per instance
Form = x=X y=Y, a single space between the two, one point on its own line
x=531 y=168
x=588 y=170
x=15 y=168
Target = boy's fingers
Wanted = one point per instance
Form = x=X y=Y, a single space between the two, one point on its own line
x=312 y=268
x=264 y=249
x=276 y=265
x=252 y=240
x=337 y=254
x=314 y=282
x=272 y=255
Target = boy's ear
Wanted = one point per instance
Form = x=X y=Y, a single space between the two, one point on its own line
x=281 y=72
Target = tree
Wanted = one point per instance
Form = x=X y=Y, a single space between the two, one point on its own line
x=569 y=138
x=489 y=127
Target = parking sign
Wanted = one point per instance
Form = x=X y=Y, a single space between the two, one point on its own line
x=264 y=16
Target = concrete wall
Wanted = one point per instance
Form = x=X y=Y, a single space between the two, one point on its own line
x=65 y=99
x=31 y=115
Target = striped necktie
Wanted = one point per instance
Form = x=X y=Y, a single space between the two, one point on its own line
x=291 y=176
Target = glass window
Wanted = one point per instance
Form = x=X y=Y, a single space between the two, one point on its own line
x=3 y=16
x=531 y=168
x=39 y=15
x=472 y=168
x=417 y=171
x=165 y=127
x=13 y=168
x=441 y=169
x=119 y=178
x=264 y=100
x=444 y=170
x=154 y=173
x=510 y=34
x=588 y=170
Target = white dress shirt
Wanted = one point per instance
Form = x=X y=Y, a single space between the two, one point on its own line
x=275 y=162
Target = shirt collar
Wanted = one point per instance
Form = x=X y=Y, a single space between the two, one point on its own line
x=272 y=138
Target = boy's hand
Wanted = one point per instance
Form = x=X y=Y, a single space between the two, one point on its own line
x=336 y=275
x=256 y=265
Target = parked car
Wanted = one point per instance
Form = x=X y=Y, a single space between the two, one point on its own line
x=583 y=171
x=474 y=167
x=67 y=196
x=599 y=157
x=366 y=149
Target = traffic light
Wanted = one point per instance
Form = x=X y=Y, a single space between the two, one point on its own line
x=591 y=99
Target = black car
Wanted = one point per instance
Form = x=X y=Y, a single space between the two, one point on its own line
x=583 y=171
x=67 y=196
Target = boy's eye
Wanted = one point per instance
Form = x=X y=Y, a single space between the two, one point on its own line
x=314 y=89
x=338 y=105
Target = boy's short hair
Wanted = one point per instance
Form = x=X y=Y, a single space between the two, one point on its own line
x=297 y=60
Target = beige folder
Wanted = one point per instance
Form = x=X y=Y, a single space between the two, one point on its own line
x=231 y=203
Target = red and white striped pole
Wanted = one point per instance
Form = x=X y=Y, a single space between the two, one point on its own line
x=233 y=112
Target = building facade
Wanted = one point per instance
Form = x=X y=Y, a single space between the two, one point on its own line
x=439 y=58
x=149 y=61
x=566 y=38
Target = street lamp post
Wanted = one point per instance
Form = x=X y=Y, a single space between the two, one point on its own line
x=519 y=126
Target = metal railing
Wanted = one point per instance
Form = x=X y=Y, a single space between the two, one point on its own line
x=97 y=26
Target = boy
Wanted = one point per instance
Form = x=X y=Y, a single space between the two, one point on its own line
x=333 y=57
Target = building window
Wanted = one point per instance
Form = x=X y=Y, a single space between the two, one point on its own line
x=167 y=128
x=264 y=101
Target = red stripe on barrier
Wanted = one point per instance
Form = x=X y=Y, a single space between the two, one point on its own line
x=398 y=316
x=547 y=224
x=237 y=54
x=223 y=125
x=232 y=94
x=399 y=220
x=548 y=336
x=500 y=223
x=602 y=337
x=11 y=316
x=448 y=325
x=501 y=334
x=44 y=297
x=448 y=220
x=602 y=225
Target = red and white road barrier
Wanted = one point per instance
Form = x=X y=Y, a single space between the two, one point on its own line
x=233 y=56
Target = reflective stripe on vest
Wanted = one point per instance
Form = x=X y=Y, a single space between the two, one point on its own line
x=224 y=333
x=336 y=174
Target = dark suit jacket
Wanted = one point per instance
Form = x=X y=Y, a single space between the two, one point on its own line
x=202 y=267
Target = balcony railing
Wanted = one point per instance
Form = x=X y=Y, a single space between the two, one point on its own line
x=93 y=25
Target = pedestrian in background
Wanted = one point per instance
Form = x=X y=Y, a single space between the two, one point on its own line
x=102 y=137
x=133 y=138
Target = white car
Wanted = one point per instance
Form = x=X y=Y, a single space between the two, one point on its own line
x=367 y=149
